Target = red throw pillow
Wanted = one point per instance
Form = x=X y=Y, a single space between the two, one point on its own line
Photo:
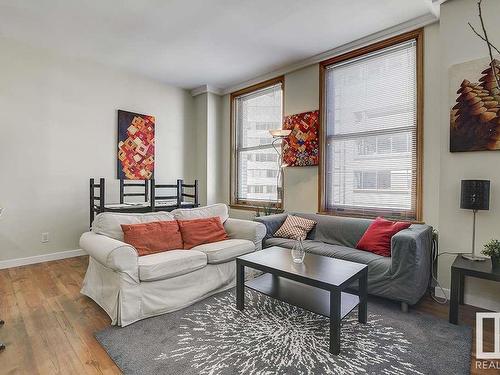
x=199 y=231
x=377 y=238
x=153 y=237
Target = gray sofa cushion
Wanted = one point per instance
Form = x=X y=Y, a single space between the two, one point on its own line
x=282 y=242
x=336 y=251
x=272 y=223
x=403 y=277
x=379 y=267
x=337 y=230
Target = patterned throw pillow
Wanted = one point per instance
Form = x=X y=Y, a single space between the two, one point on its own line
x=295 y=227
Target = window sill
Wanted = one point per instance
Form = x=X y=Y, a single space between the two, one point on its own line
x=389 y=155
x=370 y=215
x=381 y=191
x=255 y=207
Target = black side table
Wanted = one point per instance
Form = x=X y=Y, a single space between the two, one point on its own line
x=460 y=268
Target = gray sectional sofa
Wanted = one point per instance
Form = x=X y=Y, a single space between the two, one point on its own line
x=403 y=277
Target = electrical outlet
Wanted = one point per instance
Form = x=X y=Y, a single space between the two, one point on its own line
x=45 y=237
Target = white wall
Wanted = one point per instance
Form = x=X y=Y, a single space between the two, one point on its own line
x=432 y=125
x=58 y=127
x=225 y=150
x=58 y=122
x=209 y=140
x=215 y=157
x=200 y=144
x=301 y=95
x=458 y=44
x=445 y=44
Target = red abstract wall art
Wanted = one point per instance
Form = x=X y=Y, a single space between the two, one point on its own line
x=136 y=146
x=301 y=148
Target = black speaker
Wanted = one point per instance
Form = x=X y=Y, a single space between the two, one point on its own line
x=475 y=195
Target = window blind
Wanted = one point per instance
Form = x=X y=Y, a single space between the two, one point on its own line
x=255 y=114
x=371 y=133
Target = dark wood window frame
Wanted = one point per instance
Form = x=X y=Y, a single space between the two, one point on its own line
x=242 y=203
x=418 y=36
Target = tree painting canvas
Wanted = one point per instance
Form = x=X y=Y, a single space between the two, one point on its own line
x=475 y=113
x=136 y=146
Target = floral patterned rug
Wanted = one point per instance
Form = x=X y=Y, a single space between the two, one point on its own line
x=272 y=337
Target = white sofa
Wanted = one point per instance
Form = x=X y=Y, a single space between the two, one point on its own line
x=130 y=288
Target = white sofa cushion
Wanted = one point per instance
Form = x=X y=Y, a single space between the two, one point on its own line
x=224 y=251
x=218 y=209
x=169 y=264
x=109 y=223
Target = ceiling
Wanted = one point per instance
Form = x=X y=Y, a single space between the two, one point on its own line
x=189 y=43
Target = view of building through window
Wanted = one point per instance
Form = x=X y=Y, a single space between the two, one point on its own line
x=256 y=166
x=371 y=112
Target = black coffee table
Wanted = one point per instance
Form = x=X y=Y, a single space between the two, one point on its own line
x=318 y=285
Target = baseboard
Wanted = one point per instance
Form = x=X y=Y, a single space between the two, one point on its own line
x=470 y=299
x=41 y=258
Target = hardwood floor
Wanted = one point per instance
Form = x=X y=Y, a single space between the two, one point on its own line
x=49 y=324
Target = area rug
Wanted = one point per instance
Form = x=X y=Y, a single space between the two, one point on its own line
x=272 y=337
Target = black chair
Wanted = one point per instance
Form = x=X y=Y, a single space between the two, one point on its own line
x=126 y=184
x=157 y=196
x=156 y=192
x=177 y=199
x=193 y=195
x=96 y=201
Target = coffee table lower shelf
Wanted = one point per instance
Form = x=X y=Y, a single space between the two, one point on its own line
x=320 y=284
x=307 y=297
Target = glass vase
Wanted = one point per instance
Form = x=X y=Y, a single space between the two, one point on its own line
x=298 y=252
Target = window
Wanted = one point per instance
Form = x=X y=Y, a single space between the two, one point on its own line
x=371 y=133
x=263 y=173
x=381 y=180
x=384 y=144
x=272 y=173
x=254 y=168
x=265 y=125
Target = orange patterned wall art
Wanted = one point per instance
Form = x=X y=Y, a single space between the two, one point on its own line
x=136 y=146
x=300 y=148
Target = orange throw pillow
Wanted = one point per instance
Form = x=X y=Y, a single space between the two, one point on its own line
x=153 y=237
x=199 y=231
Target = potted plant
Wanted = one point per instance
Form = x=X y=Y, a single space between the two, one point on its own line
x=492 y=249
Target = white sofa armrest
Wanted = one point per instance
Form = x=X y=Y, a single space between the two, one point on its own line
x=246 y=230
x=111 y=253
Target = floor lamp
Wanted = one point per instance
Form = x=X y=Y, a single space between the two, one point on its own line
x=278 y=136
x=475 y=196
